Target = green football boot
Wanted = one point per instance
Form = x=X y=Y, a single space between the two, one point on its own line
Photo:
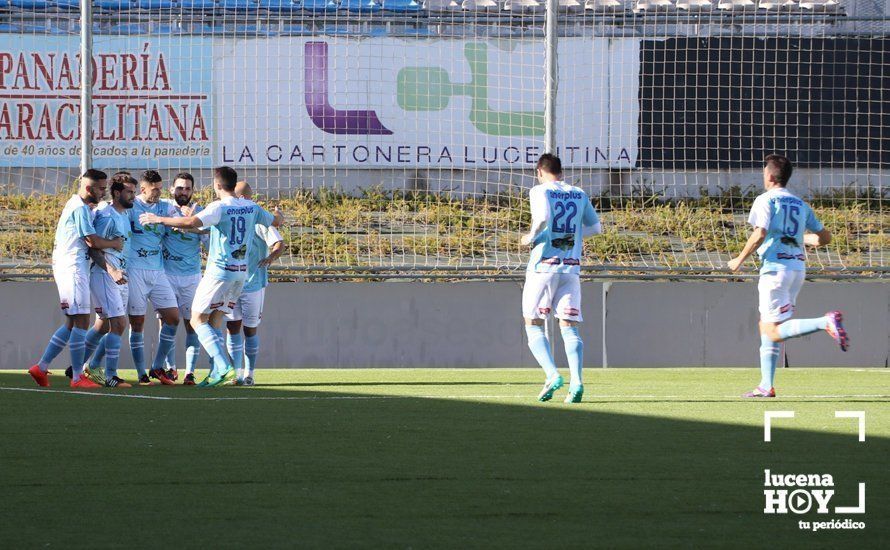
x=575 y=395
x=550 y=388
x=225 y=378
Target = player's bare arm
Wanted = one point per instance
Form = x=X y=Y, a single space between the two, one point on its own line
x=189 y=222
x=754 y=240
x=275 y=252
x=536 y=229
x=188 y=211
x=819 y=238
x=117 y=275
x=279 y=217
x=97 y=242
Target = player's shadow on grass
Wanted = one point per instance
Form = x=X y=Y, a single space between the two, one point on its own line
x=309 y=468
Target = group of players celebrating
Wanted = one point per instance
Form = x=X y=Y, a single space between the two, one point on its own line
x=115 y=257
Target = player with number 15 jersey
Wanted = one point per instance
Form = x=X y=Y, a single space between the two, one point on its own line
x=782 y=224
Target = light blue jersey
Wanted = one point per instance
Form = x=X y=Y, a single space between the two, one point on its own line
x=182 y=249
x=786 y=218
x=70 y=250
x=263 y=239
x=111 y=224
x=566 y=211
x=232 y=224
x=147 y=243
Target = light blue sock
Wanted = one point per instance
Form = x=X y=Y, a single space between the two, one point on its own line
x=540 y=348
x=192 y=351
x=769 y=358
x=221 y=341
x=137 y=348
x=165 y=341
x=76 y=348
x=802 y=327
x=251 y=350
x=235 y=345
x=57 y=343
x=170 y=360
x=574 y=353
x=217 y=333
x=112 y=344
x=211 y=345
x=99 y=354
x=91 y=343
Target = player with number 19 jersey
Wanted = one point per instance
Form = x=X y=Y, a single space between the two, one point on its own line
x=232 y=222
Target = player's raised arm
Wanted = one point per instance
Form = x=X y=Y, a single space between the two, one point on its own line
x=279 y=217
x=189 y=222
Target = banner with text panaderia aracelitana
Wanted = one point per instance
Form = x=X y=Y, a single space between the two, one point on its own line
x=151 y=100
x=386 y=102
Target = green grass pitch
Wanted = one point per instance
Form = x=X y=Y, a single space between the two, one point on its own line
x=426 y=458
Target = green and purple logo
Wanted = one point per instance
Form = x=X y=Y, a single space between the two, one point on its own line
x=431 y=89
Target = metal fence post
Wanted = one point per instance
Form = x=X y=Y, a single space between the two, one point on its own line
x=551 y=76
x=86 y=85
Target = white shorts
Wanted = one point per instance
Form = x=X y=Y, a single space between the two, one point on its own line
x=778 y=294
x=216 y=295
x=109 y=298
x=184 y=287
x=149 y=285
x=249 y=308
x=559 y=293
x=74 y=290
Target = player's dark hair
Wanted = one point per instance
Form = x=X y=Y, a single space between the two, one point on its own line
x=150 y=176
x=119 y=180
x=550 y=164
x=185 y=176
x=94 y=175
x=227 y=177
x=779 y=167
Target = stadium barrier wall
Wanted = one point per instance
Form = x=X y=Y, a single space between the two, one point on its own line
x=478 y=324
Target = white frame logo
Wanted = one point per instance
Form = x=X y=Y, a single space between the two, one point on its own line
x=804 y=493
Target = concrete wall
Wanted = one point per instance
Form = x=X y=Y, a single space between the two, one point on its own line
x=648 y=324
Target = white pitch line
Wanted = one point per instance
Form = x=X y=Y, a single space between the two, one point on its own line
x=90 y=394
x=376 y=397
